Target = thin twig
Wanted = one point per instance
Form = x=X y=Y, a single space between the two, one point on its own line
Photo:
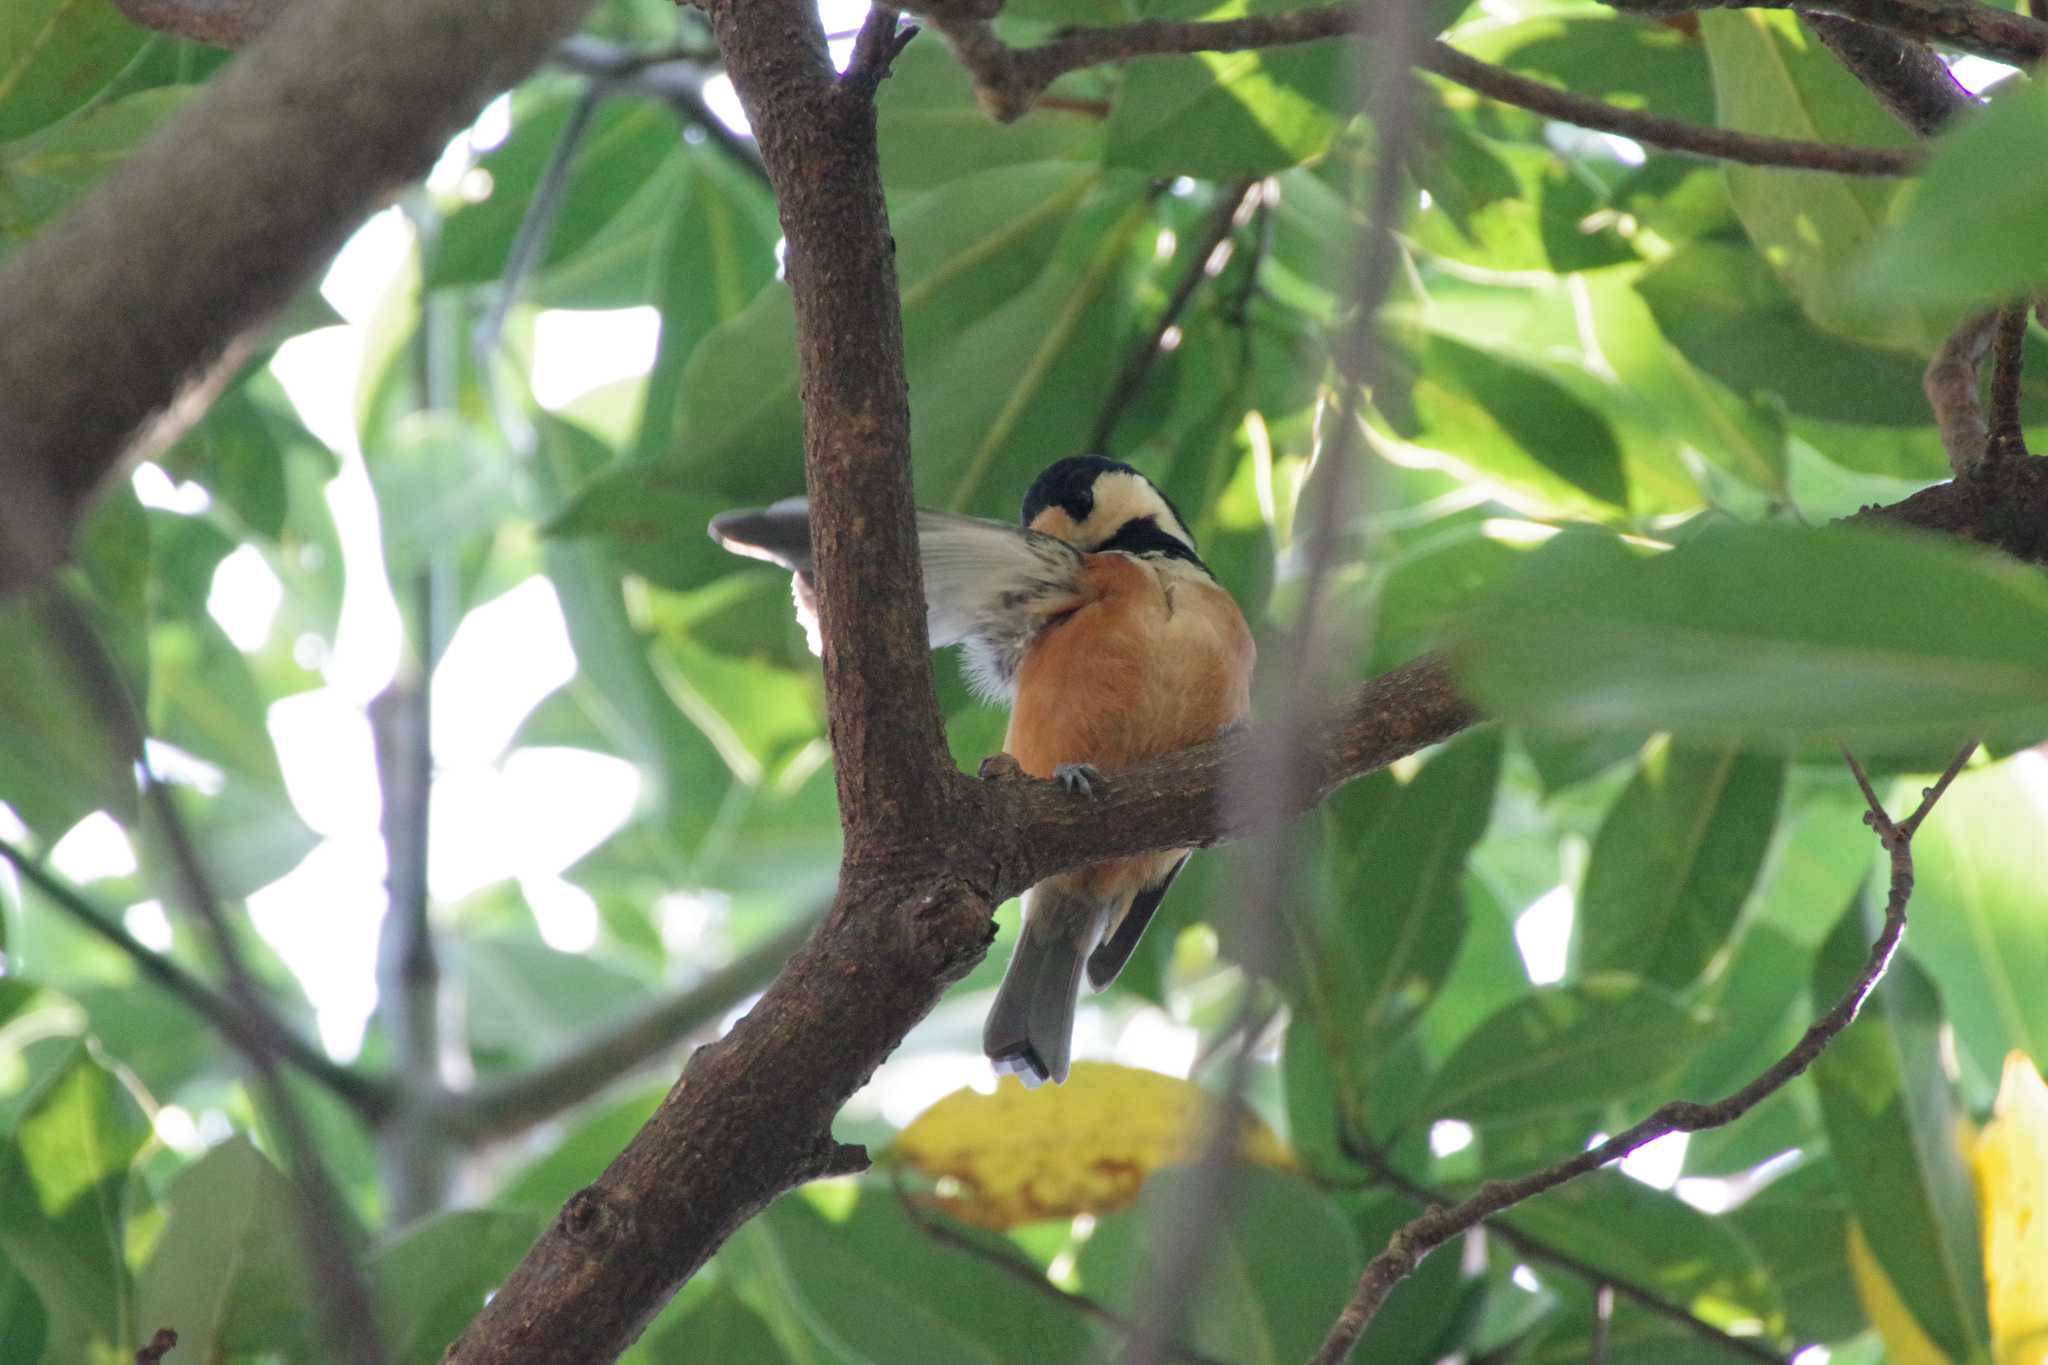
x=875 y=49
x=1205 y=262
x=518 y=1102
x=160 y=1344
x=1024 y=1272
x=1603 y=1318
x=1011 y=79
x=1952 y=384
x=369 y=1098
x=1673 y=135
x=1383 y=1171
x=347 y=1310
x=1984 y=30
x=2008 y=353
x=1422 y=1235
x=678 y=82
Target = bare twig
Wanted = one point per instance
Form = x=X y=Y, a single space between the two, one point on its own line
x=160 y=1344
x=1673 y=135
x=1603 y=1318
x=1383 y=1171
x=678 y=81
x=1024 y=1272
x=2008 y=351
x=1438 y=1225
x=369 y=1098
x=519 y=1102
x=1206 y=260
x=875 y=48
x=1952 y=385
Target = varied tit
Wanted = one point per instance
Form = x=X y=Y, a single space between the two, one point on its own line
x=1112 y=643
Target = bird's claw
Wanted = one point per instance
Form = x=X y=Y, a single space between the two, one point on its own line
x=1080 y=778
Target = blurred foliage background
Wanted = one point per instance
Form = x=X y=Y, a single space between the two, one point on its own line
x=435 y=560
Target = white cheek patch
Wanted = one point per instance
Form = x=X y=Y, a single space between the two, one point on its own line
x=1122 y=498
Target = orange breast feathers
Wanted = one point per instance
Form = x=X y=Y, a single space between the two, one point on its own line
x=1152 y=660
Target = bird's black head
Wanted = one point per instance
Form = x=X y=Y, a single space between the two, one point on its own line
x=1098 y=504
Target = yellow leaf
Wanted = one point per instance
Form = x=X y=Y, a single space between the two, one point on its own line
x=1904 y=1341
x=2011 y=1160
x=1083 y=1147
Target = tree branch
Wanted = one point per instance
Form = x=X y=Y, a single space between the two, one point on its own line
x=1913 y=84
x=1438 y=1225
x=2007 y=440
x=1952 y=385
x=1999 y=34
x=519 y=1102
x=223 y=23
x=1009 y=80
x=245 y=192
x=368 y=1097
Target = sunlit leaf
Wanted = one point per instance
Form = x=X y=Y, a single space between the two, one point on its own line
x=432 y=1278
x=1085 y=1146
x=42 y=174
x=2011 y=1162
x=55 y=55
x=932 y=129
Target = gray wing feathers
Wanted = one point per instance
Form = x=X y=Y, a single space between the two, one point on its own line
x=988 y=585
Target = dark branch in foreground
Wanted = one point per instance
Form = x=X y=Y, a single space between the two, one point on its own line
x=1438 y=1225
x=1999 y=34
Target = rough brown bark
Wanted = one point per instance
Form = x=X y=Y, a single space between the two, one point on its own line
x=211 y=226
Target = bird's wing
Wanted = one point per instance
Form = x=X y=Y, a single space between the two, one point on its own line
x=1116 y=948
x=988 y=585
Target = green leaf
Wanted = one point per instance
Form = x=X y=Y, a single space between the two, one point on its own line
x=24 y=1326
x=1282 y=1256
x=1504 y=421
x=1227 y=115
x=39 y=176
x=432 y=1278
x=1799 y=1227
x=1676 y=859
x=1613 y=57
x=932 y=129
x=1747 y=633
x=1633 y=1232
x=227 y=1271
x=623 y=144
x=525 y=999
x=1773 y=77
x=1894 y=1128
x=718 y=1327
x=1980 y=863
x=1969 y=235
x=581 y=1155
x=1396 y=905
x=63 y=1182
x=880 y=1290
x=55 y=55
x=1561 y=1049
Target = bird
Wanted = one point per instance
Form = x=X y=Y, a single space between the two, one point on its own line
x=1095 y=620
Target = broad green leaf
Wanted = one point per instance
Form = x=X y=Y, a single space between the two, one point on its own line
x=1723 y=309
x=525 y=999
x=1967 y=235
x=1675 y=861
x=1227 y=115
x=1772 y=76
x=623 y=144
x=227 y=1271
x=1750 y=633
x=1656 y=1240
x=1396 y=906
x=1563 y=1048
x=1609 y=56
x=432 y=1278
x=39 y=176
x=2010 y=1160
x=55 y=55
x=1798 y=1225
x=1284 y=1253
x=880 y=1290
x=1980 y=863
x=719 y=1327
x=581 y=1155
x=242 y=452
x=63 y=1181
x=24 y=1326
x=1430 y=1313
x=1894 y=1128
x=932 y=129
x=1499 y=421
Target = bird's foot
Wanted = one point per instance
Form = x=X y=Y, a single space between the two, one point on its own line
x=1080 y=778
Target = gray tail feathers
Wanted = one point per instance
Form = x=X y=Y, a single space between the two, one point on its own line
x=780 y=534
x=1030 y=1029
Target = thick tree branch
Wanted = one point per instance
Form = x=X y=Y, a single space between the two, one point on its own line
x=243 y=194
x=367 y=1096
x=1913 y=84
x=1438 y=1225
